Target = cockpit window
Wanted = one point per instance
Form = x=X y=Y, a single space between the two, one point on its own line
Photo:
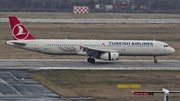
x=166 y=46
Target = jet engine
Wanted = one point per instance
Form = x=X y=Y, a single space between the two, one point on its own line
x=109 y=56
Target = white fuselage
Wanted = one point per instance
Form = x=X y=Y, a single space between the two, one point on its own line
x=73 y=47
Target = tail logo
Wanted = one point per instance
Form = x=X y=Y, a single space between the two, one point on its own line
x=19 y=33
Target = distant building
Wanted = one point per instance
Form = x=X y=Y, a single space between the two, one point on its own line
x=121 y=4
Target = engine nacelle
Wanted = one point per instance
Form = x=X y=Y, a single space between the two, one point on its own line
x=109 y=56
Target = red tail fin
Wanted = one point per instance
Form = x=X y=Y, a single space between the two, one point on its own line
x=19 y=32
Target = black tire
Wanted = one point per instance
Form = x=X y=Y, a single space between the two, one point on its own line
x=92 y=60
x=155 y=61
x=88 y=59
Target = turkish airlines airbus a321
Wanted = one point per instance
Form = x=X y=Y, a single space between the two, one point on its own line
x=100 y=49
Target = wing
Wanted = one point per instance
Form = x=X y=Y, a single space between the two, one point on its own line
x=94 y=51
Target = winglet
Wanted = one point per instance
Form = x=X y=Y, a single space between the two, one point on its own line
x=19 y=32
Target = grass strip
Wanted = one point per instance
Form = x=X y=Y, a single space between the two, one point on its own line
x=102 y=85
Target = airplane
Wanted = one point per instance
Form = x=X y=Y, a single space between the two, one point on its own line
x=109 y=50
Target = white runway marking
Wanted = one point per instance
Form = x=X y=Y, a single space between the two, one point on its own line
x=106 y=68
x=1 y=94
x=51 y=20
x=14 y=76
x=1 y=80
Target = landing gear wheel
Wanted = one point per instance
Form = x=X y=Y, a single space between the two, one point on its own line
x=92 y=60
x=155 y=61
x=89 y=60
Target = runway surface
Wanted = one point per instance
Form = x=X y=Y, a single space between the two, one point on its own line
x=84 y=65
x=96 y=20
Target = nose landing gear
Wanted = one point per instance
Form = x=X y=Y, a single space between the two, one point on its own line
x=155 y=61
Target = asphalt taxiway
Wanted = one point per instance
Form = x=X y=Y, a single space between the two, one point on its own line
x=12 y=88
x=84 y=65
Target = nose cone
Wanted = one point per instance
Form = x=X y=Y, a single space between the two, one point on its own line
x=172 y=50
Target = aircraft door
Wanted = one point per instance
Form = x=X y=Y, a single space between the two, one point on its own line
x=156 y=48
x=36 y=45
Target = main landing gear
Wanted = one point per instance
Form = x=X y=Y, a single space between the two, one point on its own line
x=155 y=61
x=91 y=60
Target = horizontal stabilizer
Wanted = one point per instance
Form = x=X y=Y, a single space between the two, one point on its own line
x=19 y=43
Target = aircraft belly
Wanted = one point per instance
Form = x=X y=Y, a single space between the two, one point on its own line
x=137 y=52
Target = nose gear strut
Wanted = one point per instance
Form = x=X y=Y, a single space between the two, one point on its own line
x=155 y=61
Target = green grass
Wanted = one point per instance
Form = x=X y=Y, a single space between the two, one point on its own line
x=102 y=85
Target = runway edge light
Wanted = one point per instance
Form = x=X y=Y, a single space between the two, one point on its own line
x=123 y=86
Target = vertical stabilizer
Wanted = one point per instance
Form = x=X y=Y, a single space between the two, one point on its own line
x=19 y=32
